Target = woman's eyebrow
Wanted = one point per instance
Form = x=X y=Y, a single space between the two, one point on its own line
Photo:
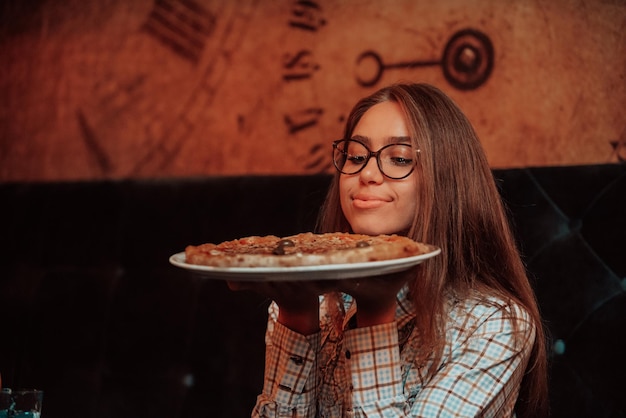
x=389 y=140
x=398 y=139
x=361 y=138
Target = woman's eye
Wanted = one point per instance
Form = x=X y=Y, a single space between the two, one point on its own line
x=402 y=161
x=357 y=159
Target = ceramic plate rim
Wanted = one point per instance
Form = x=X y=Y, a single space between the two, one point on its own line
x=300 y=273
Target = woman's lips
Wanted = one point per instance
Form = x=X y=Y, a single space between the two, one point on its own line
x=368 y=202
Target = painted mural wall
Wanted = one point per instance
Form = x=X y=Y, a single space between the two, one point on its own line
x=109 y=89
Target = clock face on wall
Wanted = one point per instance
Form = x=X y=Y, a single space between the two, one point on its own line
x=236 y=87
x=179 y=87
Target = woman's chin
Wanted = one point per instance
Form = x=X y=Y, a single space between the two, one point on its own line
x=378 y=230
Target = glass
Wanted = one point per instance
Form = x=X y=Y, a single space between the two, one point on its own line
x=395 y=161
x=20 y=403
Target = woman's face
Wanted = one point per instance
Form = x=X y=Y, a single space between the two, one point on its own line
x=372 y=203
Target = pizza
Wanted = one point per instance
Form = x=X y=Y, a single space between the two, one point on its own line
x=305 y=249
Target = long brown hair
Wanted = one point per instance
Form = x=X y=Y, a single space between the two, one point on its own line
x=460 y=210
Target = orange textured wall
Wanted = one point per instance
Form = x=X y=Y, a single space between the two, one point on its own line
x=116 y=89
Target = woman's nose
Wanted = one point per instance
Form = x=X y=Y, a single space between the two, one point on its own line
x=371 y=173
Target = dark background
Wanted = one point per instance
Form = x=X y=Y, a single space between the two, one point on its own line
x=93 y=313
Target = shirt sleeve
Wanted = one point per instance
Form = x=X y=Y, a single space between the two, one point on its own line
x=483 y=373
x=480 y=376
x=290 y=374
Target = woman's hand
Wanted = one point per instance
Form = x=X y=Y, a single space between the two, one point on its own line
x=376 y=296
x=298 y=302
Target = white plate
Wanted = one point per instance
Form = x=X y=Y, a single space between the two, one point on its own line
x=304 y=273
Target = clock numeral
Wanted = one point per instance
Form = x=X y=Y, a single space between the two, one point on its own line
x=307 y=15
x=299 y=66
x=303 y=119
x=182 y=25
x=619 y=148
x=318 y=159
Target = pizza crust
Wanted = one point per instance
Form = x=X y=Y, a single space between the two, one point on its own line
x=305 y=249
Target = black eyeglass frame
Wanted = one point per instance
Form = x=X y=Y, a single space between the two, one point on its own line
x=370 y=154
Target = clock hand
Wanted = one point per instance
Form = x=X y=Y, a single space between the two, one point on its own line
x=467 y=61
x=381 y=66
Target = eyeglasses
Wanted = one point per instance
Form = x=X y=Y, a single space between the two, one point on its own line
x=395 y=161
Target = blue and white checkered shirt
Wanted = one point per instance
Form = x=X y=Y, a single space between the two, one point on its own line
x=373 y=372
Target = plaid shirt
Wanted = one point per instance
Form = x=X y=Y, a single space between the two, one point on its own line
x=373 y=372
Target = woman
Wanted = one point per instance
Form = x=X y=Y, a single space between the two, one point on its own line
x=460 y=334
